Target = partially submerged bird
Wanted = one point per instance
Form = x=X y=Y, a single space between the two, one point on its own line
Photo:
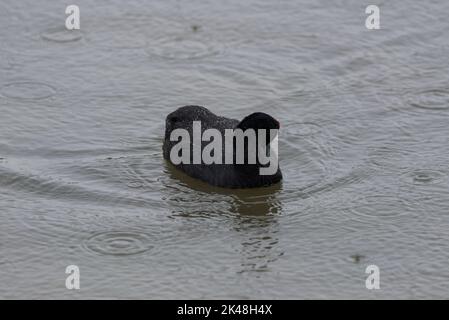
x=221 y=173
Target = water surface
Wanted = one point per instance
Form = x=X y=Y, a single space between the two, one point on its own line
x=363 y=149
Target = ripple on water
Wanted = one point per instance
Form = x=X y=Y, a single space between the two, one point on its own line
x=436 y=269
x=128 y=31
x=423 y=177
x=388 y=157
x=135 y=184
x=5 y=61
x=303 y=158
x=61 y=35
x=119 y=243
x=184 y=47
x=27 y=90
x=160 y=36
x=382 y=206
x=301 y=129
x=432 y=99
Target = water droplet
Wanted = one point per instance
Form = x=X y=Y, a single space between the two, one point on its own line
x=357 y=257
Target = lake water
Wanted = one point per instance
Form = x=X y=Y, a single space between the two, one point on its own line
x=364 y=149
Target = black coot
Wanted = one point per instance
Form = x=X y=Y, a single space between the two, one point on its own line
x=221 y=175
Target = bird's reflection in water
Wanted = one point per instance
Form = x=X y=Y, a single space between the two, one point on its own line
x=251 y=215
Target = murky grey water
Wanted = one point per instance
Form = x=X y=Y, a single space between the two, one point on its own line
x=364 y=149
